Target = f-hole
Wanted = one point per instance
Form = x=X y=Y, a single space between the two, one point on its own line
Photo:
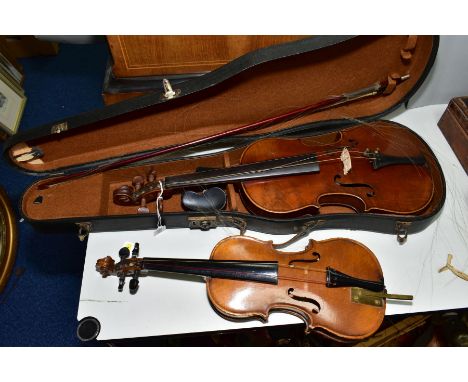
x=316 y=257
x=370 y=193
x=352 y=143
x=297 y=297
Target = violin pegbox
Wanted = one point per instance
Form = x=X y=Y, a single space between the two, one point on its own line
x=125 y=195
x=152 y=176
x=126 y=267
x=138 y=182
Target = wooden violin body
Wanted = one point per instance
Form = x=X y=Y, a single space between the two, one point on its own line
x=290 y=177
x=401 y=185
x=301 y=288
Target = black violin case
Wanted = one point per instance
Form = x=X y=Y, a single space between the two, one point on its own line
x=258 y=85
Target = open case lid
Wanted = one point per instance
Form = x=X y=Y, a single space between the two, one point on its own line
x=258 y=85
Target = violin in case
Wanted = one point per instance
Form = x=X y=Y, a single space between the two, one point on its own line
x=286 y=139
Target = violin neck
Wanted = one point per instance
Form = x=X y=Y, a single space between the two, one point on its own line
x=259 y=271
x=270 y=168
x=294 y=165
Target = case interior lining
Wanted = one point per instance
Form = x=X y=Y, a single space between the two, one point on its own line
x=92 y=196
x=263 y=91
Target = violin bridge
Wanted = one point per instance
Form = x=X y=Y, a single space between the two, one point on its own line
x=367 y=297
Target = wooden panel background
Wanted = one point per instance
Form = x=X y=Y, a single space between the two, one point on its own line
x=157 y=55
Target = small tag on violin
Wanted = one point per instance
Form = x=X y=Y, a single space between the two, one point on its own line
x=346 y=160
x=160 y=227
x=159 y=230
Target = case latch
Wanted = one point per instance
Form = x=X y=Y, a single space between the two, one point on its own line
x=58 y=128
x=84 y=228
x=206 y=223
x=169 y=93
x=401 y=229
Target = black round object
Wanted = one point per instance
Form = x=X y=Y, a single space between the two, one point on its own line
x=124 y=253
x=211 y=199
x=88 y=329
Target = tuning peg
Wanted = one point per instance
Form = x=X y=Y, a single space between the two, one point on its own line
x=124 y=253
x=138 y=182
x=133 y=287
x=152 y=176
x=143 y=209
x=121 y=283
x=136 y=250
x=134 y=281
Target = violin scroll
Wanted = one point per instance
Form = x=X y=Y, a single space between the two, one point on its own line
x=136 y=193
x=123 y=195
x=126 y=267
x=105 y=266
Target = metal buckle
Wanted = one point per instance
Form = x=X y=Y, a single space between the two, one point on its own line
x=169 y=93
x=58 y=128
x=402 y=231
x=206 y=223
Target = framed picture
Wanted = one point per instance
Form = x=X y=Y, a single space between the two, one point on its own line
x=12 y=102
x=7 y=67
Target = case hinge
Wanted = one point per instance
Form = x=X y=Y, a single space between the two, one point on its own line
x=401 y=229
x=84 y=228
x=206 y=223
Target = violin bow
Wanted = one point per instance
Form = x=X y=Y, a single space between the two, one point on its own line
x=332 y=101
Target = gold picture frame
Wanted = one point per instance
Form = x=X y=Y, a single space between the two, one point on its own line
x=8 y=239
x=7 y=67
x=12 y=103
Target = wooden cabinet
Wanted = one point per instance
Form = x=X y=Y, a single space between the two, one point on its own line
x=162 y=55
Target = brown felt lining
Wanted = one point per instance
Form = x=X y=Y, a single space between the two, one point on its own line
x=92 y=196
x=263 y=91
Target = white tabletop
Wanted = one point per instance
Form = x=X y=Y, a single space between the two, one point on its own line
x=176 y=304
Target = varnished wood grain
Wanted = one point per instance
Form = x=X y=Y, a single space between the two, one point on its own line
x=158 y=55
x=330 y=309
x=398 y=189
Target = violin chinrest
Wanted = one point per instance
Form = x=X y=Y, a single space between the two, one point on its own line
x=213 y=198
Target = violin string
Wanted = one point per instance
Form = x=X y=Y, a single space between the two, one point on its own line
x=301 y=280
x=387 y=136
x=302 y=268
x=153 y=187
